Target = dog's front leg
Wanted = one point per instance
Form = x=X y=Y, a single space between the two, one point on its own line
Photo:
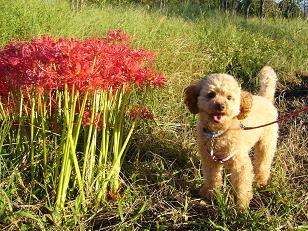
x=212 y=174
x=241 y=180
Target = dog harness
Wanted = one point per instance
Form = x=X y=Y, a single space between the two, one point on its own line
x=212 y=136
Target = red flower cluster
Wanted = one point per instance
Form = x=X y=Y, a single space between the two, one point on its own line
x=142 y=113
x=86 y=119
x=93 y=64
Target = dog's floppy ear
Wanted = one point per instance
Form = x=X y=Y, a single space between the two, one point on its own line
x=246 y=104
x=191 y=97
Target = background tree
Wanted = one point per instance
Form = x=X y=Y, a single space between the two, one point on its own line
x=261 y=9
x=290 y=9
x=303 y=4
x=247 y=4
x=191 y=8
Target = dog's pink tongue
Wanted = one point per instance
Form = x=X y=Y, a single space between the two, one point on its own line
x=217 y=118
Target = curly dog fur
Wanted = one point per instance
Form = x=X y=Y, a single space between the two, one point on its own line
x=222 y=107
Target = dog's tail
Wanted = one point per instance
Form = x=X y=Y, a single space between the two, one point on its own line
x=268 y=79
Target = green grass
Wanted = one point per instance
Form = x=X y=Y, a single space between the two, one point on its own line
x=161 y=175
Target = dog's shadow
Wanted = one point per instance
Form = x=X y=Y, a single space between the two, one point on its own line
x=161 y=162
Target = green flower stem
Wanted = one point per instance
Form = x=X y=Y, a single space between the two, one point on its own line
x=64 y=177
x=116 y=164
x=65 y=167
x=43 y=112
x=79 y=120
x=69 y=150
x=92 y=151
x=87 y=148
x=100 y=187
x=32 y=121
x=20 y=121
x=76 y=167
x=118 y=139
x=91 y=164
x=56 y=118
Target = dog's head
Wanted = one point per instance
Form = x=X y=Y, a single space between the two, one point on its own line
x=218 y=98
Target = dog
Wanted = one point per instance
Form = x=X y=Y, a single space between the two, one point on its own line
x=223 y=110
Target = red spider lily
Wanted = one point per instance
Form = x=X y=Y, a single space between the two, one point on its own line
x=63 y=84
x=93 y=64
x=116 y=36
x=141 y=113
x=113 y=196
x=86 y=119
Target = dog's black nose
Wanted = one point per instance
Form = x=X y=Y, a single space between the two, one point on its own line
x=220 y=107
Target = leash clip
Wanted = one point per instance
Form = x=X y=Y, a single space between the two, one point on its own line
x=242 y=126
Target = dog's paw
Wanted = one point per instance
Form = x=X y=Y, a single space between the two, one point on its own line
x=243 y=205
x=260 y=181
x=243 y=199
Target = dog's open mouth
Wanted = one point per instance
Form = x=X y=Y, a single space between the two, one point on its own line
x=217 y=117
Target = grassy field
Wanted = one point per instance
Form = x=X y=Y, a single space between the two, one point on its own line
x=161 y=174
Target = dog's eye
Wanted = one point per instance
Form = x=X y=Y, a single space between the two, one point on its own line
x=229 y=97
x=211 y=95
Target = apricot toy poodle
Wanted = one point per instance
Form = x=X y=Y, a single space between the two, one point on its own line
x=223 y=110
